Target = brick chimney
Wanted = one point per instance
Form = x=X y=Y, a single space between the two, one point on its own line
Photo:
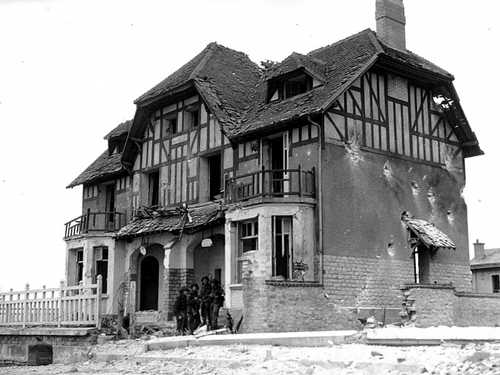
x=390 y=16
x=478 y=249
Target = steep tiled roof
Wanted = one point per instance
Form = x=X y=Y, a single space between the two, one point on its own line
x=104 y=165
x=429 y=234
x=344 y=62
x=225 y=78
x=121 y=129
x=491 y=258
x=175 y=220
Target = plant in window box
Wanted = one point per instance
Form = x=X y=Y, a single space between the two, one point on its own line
x=299 y=270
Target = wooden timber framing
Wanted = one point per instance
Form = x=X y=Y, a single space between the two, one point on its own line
x=177 y=155
x=389 y=113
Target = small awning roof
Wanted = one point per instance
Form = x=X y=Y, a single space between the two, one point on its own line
x=191 y=219
x=429 y=234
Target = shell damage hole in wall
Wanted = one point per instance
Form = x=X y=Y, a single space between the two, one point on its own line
x=391 y=251
x=353 y=151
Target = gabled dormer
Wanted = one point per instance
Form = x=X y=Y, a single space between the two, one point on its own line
x=116 y=138
x=295 y=75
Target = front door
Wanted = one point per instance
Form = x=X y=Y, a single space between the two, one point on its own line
x=149 y=284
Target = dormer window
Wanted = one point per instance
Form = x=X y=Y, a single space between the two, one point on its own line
x=289 y=86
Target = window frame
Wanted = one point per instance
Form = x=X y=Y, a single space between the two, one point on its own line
x=104 y=259
x=495 y=282
x=254 y=236
x=290 y=245
x=80 y=264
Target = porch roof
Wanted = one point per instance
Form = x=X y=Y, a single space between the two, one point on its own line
x=429 y=234
x=188 y=219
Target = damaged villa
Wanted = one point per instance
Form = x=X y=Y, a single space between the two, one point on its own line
x=318 y=190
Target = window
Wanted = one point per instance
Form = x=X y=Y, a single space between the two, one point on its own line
x=248 y=232
x=215 y=176
x=154 y=188
x=192 y=114
x=495 y=279
x=101 y=265
x=293 y=84
x=90 y=192
x=282 y=246
x=297 y=85
x=79 y=266
x=170 y=124
x=421 y=265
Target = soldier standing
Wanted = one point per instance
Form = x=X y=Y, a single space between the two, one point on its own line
x=205 y=297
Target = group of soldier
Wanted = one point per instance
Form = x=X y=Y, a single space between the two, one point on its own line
x=195 y=307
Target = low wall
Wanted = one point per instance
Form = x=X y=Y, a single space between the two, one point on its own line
x=275 y=306
x=435 y=305
x=68 y=344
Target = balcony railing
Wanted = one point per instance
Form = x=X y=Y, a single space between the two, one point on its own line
x=94 y=222
x=271 y=183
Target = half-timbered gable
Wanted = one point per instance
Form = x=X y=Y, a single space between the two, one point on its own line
x=179 y=142
x=389 y=113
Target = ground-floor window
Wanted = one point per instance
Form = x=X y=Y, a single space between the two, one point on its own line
x=101 y=265
x=495 y=279
x=79 y=265
x=282 y=246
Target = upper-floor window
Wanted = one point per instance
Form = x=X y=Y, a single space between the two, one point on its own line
x=192 y=116
x=170 y=123
x=90 y=191
x=154 y=188
x=289 y=86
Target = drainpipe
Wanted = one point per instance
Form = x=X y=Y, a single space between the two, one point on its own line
x=320 y=195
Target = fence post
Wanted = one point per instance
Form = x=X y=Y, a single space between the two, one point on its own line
x=60 y=307
x=98 y=301
x=25 y=305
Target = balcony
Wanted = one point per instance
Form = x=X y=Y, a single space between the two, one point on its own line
x=274 y=184
x=94 y=222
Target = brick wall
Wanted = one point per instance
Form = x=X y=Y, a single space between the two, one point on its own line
x=174 y=279
x=357 y=281
x=434 y=305
x=289 y=307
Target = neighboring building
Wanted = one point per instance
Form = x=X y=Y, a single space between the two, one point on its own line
x=485 y=267
x=287 y=183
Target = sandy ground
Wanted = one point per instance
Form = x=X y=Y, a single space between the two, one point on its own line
x=448 y=359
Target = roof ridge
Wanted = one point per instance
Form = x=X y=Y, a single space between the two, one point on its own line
x=210 y=49
x=317 y=50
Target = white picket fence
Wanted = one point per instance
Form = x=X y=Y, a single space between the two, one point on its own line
x=64 y=306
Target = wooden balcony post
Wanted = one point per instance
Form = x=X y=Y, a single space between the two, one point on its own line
x=60 y=305
x=262 y=178
x=98 y=301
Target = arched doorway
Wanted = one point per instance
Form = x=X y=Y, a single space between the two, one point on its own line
x=149 y=283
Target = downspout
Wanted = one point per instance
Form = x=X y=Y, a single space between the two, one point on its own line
x=320 y=196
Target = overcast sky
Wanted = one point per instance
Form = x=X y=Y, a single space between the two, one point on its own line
x=70 y=70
